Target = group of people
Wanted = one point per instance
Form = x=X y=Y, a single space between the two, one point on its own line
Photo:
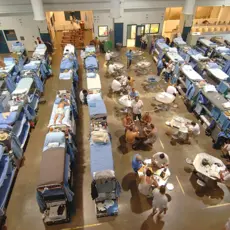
x=148 y=185
x=148 y=132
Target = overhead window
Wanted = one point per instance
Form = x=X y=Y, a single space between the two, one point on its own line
x=103 y=31
x=152 y=28
x=10 y=35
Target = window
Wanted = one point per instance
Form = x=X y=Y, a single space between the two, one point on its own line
x=152 y=28
x=10 y=35
x=102 y=31
x=76 y=15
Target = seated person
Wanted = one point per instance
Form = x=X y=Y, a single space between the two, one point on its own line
x=146 y=119
x=146 y=183
x=160 y=159
x=83 y=96
x=131 y=135
x=111 y=69
x=60 y=110
x=116 y=86
x=226 y=149
x=137 y=162
x=194 y=128
x=171 y=90
x=225 y=177
x=128 y=122
x=151 y=135
x=133 y=93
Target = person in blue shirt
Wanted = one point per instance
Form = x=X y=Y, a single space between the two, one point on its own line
x=160 y=66
x=129 y=56
x=133 y=93
x=137 y=162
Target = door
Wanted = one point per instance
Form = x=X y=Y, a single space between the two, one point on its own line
x=3 y=45
x=139 y=34
x=118 y=33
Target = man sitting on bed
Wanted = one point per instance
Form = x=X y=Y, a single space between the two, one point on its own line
x=60 y=110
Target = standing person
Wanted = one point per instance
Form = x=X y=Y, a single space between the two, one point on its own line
x=35 y=44
x=133 y=93
x=160 y=201
x=169 y=70
x=129 y=56
x=152 y=46
x=83 y=96
x=39 y=40
x=107 y=57
x=131 y=81
x=137 y=105
x=160 y=66
x=160 y=160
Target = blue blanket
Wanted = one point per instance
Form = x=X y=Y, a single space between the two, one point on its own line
x=96 y=105
x=101 y=157
x=91 y=63
x=9 y=120
x=66 y=64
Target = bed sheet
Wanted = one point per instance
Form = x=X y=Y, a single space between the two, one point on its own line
x=218 y=73
x=66 y=63
x=96 y=105
x=162 y=46
x=66 y=75
x=179 y=41
x=101 y=157
x=223 y=49
x=207 y=42
x=66 y=120
x=175 y=57
x=90 y=49
x=9 y=120
x=91 y=62
x=191 y=73
x=199 y=57
x=23 y=86
x=8 y=68
x=94 y=83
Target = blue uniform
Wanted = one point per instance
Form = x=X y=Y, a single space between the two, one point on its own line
x=136 y=165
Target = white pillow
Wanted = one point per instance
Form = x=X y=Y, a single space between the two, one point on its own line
x=53 y=144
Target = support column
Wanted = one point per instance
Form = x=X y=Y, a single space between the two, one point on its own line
x=38 y=10
x=187 y=18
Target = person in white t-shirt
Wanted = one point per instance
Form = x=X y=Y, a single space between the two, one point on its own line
x=111 y=69
x=171 y=90
x=107 y=57
x=160 y=201
x=194 y=128
x=137 y=105
x=116 y=86
x=160 y=160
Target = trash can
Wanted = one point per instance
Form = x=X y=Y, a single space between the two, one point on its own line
x=118 y=46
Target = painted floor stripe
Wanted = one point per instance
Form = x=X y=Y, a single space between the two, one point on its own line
x=161 y=144
x=217 y=206
x=180 y=185
x=82 y=227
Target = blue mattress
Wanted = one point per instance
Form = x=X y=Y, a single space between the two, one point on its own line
x=24 y=134
x=66 y=64
x=96 y=105
x=6 y=187
x=101 y=157
x=91 y=63
x=4 y=166
x=8 y=120
x=52 y=137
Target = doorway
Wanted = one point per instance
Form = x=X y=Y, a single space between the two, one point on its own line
x=140 y=32
x=118 y=33
x=3 y=44
x=131 y=35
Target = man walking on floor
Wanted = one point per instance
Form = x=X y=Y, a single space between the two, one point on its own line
x=129 y=56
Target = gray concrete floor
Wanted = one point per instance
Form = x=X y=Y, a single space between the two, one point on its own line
x=187 y=210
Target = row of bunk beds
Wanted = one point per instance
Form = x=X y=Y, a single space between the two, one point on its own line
x=20 y=92
x=105 y=189
x=203 y=79
x=54 y=189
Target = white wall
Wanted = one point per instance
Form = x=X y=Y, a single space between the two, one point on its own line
x=23 y=26
x=87 y=17
x=102 y=18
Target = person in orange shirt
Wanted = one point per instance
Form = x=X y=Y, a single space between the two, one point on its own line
x=130 y=81
x=127 y=122
x=131 y=136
